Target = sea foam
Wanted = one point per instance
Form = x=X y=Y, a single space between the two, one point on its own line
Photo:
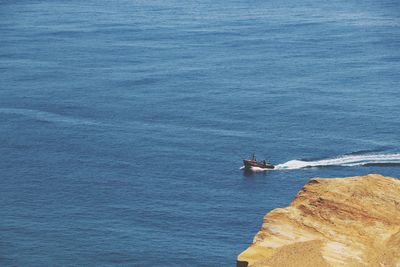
x=347 y=160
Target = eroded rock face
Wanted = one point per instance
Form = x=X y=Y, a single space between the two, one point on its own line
x=352 y=221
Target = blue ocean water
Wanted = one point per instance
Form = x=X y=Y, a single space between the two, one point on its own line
x=124 y=123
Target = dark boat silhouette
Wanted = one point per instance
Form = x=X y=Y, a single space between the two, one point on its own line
x=249 y=163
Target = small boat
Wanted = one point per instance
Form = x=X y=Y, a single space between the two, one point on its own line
x=249 y=163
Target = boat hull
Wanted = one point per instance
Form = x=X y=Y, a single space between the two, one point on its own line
x=248 y=164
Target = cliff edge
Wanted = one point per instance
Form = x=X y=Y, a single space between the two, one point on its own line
x=353 y=221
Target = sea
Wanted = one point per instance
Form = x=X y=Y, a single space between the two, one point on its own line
x=123 y=124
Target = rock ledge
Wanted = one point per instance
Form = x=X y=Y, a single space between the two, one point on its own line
x=352 y=221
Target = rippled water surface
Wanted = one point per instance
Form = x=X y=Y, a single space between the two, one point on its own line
x=124 y=123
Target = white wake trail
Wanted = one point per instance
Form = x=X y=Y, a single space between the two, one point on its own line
x=349 y=160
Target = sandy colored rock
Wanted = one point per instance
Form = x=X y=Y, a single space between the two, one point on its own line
x=352 y=221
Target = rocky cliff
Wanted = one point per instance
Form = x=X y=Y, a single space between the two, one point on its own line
x=352 y=221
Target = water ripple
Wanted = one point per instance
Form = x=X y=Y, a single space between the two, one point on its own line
x=47 y=116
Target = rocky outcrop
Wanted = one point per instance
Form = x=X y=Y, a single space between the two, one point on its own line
x=352 y=221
